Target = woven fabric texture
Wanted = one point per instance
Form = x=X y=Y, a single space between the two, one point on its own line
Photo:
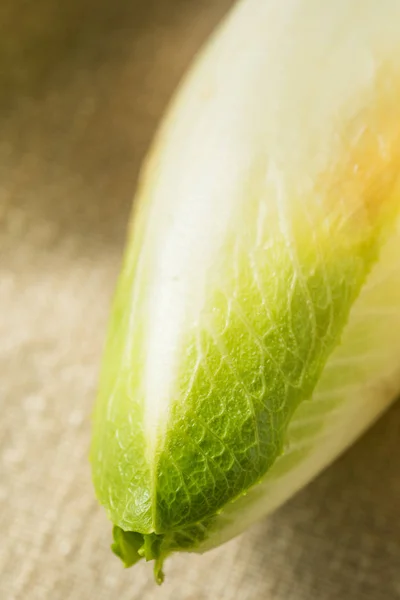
x=82 y=86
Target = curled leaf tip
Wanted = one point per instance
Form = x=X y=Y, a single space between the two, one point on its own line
x=132 y=546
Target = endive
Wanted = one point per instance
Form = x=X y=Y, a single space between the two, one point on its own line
x=255 y=331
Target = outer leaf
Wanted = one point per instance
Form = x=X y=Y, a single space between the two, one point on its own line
x=243 y=311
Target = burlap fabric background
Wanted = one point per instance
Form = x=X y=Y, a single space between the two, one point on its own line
x=82 y=86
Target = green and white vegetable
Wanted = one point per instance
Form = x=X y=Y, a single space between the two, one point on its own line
x=255 y=331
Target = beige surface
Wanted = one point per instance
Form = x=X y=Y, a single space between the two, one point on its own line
x=82 y=85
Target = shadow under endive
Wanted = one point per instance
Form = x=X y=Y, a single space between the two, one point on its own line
x=340 y=536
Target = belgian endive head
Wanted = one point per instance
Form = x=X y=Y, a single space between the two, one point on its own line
x=254 y=329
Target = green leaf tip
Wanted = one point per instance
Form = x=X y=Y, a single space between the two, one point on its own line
x=131 y=546
x=127 y=546
x=158 y=572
